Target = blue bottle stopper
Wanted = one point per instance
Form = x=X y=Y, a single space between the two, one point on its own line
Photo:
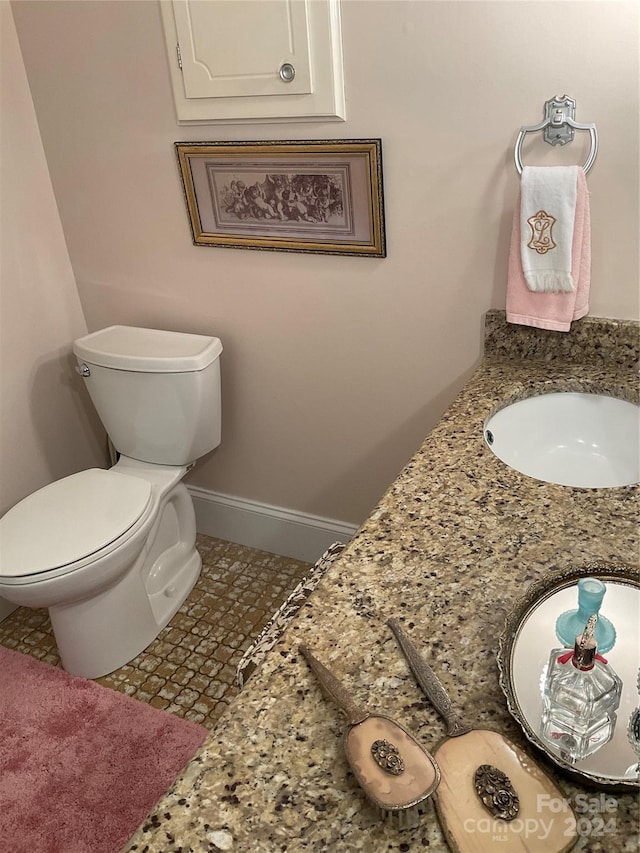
x=571 y=623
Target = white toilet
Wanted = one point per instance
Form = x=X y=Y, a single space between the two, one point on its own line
x=112 y=553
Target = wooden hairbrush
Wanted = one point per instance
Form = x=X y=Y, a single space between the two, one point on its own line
x=396 y=773
x=492 y=792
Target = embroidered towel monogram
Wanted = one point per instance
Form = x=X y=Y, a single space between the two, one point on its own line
x=541 y=232
x=547 y=219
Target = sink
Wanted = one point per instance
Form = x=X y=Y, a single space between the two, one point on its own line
x=572 y=439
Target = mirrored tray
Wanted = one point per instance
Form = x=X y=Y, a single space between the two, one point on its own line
x=528 y=638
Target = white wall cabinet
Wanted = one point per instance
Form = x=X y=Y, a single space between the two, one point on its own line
x=254 y=60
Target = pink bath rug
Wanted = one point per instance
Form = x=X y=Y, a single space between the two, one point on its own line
x=81 y=765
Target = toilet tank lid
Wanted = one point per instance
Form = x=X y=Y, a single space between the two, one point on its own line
x=147 y=350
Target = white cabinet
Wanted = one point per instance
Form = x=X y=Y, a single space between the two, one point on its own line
x=254 y=60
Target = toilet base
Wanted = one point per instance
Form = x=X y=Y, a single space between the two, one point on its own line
x=101 y=634
x=107 y=608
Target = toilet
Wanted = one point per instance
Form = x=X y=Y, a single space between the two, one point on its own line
x=112 y=552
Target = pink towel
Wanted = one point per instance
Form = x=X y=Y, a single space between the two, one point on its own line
x=553 y=311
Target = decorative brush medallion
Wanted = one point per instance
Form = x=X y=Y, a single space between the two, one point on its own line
x=496 y=792
x=387 y=756
x=541 y=225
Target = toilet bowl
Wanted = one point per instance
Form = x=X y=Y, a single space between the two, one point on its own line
x=112 y=553
x=109 y=594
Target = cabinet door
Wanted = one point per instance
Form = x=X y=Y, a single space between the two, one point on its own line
x=236 y=48
x=236 y=61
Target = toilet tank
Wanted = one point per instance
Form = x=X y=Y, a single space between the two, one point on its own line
x=157 y=392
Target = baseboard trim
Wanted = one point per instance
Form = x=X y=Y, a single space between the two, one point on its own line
x=257 y=525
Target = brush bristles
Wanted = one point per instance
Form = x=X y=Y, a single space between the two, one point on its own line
x=407 y=818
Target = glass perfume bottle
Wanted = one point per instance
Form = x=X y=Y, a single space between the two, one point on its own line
x=570 y=623
x=581 y=696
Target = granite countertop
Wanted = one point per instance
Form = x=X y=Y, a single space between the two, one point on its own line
x=450 y=547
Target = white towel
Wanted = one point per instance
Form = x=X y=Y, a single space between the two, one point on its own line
x=547 y=221
x=554 y=311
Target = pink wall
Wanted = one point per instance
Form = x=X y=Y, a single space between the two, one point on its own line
x=335 y=368
x=45 y=430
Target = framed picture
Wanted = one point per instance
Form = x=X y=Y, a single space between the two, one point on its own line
x=321 y=196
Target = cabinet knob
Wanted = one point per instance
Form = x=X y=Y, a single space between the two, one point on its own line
x=287 y=72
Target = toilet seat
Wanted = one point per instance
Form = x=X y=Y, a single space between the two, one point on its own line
x=65 y=524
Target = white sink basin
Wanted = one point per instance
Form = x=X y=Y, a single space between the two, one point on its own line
x=572 y=439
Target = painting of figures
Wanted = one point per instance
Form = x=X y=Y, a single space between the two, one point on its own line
x=313 y=196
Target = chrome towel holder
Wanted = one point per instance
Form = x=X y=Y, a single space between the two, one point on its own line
x=559 y=125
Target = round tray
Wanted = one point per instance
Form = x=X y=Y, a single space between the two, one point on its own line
x=523 y=655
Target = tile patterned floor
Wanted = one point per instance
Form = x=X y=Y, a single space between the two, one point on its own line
x=190 y=669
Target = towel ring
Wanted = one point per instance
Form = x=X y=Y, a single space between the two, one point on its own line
x=558 y=126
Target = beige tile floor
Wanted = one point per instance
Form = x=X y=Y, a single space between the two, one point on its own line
x=190 y=669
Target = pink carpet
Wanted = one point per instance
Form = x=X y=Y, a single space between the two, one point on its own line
x=81 y=766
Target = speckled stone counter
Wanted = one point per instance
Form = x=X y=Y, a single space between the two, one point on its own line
x=450 y=547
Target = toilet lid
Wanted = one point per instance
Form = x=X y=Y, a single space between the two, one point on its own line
x=69 y=520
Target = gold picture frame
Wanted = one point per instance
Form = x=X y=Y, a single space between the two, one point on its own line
x=318 y=196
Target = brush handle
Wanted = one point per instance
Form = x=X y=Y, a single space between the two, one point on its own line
x=429 y=682
x=334 y=689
